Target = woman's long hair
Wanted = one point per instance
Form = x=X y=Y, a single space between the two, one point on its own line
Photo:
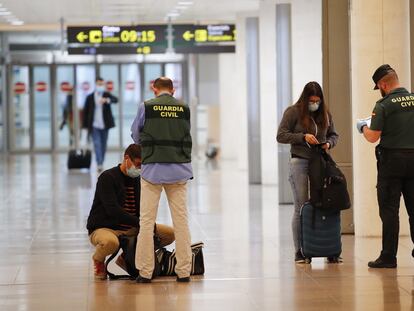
x=321 y=115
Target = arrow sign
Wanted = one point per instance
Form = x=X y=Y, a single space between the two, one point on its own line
x=188 y=35
x=81 y=36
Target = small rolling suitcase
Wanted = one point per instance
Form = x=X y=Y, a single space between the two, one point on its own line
x=321 y=232
x=80 y=158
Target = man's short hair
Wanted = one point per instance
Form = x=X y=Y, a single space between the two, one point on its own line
x=163 y=83
x=133 y=151
x=99 y=79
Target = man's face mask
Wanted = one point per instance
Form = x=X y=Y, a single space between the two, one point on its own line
x=100 y=88
x=133 y=171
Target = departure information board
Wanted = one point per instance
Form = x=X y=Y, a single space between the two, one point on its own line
x=150 y=39
x=204 y=38
x=143 y=39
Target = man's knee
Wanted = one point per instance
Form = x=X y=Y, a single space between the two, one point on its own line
x=109 y=244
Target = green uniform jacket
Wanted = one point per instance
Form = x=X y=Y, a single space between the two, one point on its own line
x=166 y=137
x=394 y=116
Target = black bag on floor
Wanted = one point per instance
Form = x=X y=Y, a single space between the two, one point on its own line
x=168 y=260
x=79 y=159
x=128 y=245
x=321 y=232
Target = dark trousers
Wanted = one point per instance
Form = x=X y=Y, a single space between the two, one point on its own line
x=395 y=177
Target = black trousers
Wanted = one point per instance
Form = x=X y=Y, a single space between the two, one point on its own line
x=395 y=177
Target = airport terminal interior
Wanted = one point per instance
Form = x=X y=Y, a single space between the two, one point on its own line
x=237 y=64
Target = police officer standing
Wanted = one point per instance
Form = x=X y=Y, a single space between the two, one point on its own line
x=392 y=121
x=162 y=127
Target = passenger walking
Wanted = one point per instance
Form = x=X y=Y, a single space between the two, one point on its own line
x=98 y=119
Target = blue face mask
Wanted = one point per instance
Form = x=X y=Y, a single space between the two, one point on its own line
x=100 y=88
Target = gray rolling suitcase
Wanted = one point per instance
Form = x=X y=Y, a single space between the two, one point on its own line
x=321 y=232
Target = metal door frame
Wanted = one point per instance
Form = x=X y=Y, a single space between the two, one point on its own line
x=9 y=136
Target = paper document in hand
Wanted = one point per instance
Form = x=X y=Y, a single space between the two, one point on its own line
x=367 y=121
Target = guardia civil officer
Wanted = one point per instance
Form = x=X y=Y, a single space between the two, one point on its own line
x=392 y=121
x=162 y=127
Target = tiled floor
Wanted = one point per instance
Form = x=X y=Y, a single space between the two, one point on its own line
x=45 y=261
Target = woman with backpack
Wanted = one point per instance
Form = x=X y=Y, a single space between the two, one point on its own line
x=304 y=125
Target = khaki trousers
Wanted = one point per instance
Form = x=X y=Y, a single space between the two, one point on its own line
x=177 y=202
x=106 y=240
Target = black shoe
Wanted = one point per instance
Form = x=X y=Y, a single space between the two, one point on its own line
x=412 y=253
x=299 y=258
x=335 y=259
x=141 y=279
x=185 y=279
x=381 y=263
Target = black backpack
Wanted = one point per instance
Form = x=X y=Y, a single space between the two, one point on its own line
x=328 y=186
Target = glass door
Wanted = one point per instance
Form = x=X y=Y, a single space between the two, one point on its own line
x=174 y=72
x=131 y=98
x=85 y=85
x=42 y=125
x=109 y=72
x=63 y=105
x=151 y=72
x=2 y=107
x=20 y=124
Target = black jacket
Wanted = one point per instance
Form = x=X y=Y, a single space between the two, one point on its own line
x=107 y=207
x=89 y=111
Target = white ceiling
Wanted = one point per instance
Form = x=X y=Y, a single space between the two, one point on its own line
x=36 y=12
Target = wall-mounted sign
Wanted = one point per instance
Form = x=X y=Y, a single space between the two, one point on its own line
x=19 y=88
x=65 y=86
x=109 y=85
x=151 y=39
x=41 y=86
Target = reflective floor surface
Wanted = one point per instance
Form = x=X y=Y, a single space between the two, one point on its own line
x=45 y=261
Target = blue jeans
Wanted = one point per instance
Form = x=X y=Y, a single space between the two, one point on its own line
x=100 y=139
x=298 y=178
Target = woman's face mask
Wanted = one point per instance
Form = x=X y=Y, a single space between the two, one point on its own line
x=313 y=106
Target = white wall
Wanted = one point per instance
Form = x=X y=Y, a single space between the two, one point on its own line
x=306 y=66
x=306 y=44
x=208 y=84
x=230 y=120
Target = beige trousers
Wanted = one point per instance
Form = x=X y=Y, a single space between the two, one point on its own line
x=106 y=240
x=177 y=202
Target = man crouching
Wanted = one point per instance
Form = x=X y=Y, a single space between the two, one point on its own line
x=115 y=211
